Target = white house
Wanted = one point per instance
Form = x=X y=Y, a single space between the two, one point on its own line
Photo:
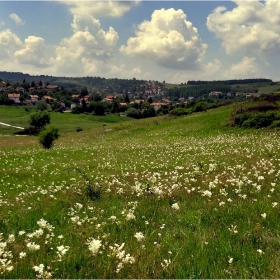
x=15 y=97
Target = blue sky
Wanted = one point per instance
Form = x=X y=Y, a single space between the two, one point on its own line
x=175 y=41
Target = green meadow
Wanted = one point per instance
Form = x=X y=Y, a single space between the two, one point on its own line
x=164 y=197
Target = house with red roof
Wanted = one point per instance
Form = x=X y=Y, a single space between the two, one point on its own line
x=15 y=97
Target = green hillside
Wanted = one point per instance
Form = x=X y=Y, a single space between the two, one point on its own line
x=164 y=197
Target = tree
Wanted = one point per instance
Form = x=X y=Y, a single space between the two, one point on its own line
x=126 y=99
x=39 y=119
x=99 y=109
x=46 y=137
x=84 y=91
x=133 y=113
x=41 y=105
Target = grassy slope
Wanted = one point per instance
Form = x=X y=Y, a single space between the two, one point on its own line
x=145 y=167
x=65 y=122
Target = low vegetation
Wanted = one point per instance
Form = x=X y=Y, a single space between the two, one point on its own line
x=257 y=116
x=163 y=197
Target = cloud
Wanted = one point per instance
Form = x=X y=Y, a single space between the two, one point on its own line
x=251 y=27
x=89 y=47
x=100 y=8
x=247 y=68
x=17 y=19
x=33 y=52
x=169 y=40
x=9 y=43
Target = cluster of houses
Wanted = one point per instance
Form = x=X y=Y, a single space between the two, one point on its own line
x=111 y=98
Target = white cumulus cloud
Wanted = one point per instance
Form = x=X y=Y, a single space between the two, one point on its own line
x=100 y=8
x=169 y=40
x=251 y=27
x=33 y=52
x=16 y=19
x=246 y=68
x=88 y=48
x=9 y=43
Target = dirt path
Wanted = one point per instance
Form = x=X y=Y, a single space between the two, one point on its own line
x=11 y=125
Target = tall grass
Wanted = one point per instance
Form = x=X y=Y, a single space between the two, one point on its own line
x=181 y=198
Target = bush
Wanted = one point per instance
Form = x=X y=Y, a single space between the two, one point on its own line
x=133 y=113
x=255 y=120
x=47 y=137
x=275 y=124
x=31 y=130
x=42 y=105
x=39 y=119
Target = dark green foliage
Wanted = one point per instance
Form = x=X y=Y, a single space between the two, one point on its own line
x=200 y=106
x=92 y=191
x=133 y=113
x=180 y=111
x=257 y=116
x=77 y=109
x=39 y=119
x=41 y=105
x=275 y=124
x=259 y=120
x=46 y=137
x=230 y=82
x=99 y=109
x=31 y=130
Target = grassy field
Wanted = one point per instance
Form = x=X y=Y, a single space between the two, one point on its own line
x=180 y=197
x=65 y=122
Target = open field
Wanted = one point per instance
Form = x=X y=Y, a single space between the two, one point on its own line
x=180 y=198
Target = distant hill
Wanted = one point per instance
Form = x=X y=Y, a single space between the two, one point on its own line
x=230 y=82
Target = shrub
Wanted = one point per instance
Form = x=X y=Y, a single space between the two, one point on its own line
x=31 y=130
x=258 y=120
x=275 y=124
x=47 y=137
x=39 y=119
x=133 y=113
x=42 y=105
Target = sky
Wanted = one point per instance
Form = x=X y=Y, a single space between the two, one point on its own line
x=171 y=41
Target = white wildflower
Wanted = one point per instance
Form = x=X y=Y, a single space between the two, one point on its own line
x=233 y=229
x=207 y=193
x=32 y=246
x=263 y=215
x=21 y=232
x=11 y=238
x=22 y=255
x=260 y=251
x=41 y=273
x=130 y=216
x=94 y=245
x=61 y=251
x=175 y=206
x=165 y=263
x=139 y=236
